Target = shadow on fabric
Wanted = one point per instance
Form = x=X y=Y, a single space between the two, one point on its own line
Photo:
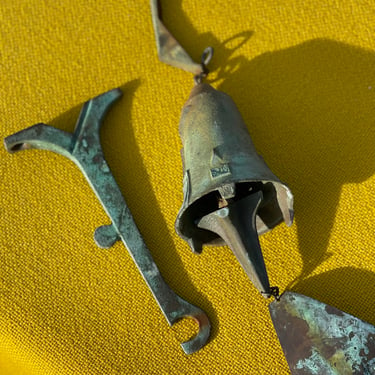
x=310 y=110
x=308 y=113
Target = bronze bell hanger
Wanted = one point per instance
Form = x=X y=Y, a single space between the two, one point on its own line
x=231 y=196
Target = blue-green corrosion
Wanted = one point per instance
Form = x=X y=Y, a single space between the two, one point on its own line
x=84 y=149
x=319 y=339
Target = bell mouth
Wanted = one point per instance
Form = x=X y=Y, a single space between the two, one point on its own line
x=268 y=215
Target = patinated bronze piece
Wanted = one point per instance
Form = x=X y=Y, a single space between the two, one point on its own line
x=223 y=173
x=230 y=194
x=84 y=149
x=169 y=50
x=319 y=339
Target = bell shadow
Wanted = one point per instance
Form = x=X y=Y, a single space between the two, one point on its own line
x=310 y=110
x=307 y=121
x=122 y=154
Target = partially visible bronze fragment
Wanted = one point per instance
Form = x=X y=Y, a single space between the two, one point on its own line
x=319 y=339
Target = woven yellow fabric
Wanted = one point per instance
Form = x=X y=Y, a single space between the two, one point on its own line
x=302 y=75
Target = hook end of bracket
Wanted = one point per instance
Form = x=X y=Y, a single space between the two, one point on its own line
x=200 y=339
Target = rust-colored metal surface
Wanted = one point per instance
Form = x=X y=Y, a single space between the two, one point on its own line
x=169 y=50
x=319 y=339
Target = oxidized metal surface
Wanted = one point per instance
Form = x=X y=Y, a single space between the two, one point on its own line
x=230 y=194
x=320 y=339
x=84 y=149
x=218 y=154
x=222 y=175
x=169 y=50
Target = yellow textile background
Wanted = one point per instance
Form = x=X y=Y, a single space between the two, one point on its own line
x=302 y=75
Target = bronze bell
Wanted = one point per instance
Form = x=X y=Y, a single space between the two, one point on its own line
x=230 y=194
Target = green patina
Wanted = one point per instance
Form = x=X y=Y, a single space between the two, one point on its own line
x=84 y=149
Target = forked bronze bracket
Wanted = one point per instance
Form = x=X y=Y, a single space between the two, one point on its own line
x=84 y=149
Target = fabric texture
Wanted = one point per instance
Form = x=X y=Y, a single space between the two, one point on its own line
x=303 y=77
